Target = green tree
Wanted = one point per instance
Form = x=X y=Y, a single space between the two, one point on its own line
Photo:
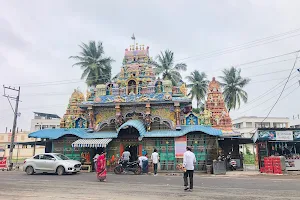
x=233 y=84
x=165 y=66
x=198 y=86
x=96 y=68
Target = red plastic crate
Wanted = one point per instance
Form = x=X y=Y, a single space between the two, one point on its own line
x=275 y=158
x=277 y=165
x=277 y=172
x=277 y=168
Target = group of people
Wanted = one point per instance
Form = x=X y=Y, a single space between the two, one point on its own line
x=189 y=161
x=143 y=160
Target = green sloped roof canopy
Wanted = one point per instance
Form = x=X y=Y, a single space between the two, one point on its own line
x=138 y=124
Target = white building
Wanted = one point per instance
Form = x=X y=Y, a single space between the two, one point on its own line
x=247 y=126
x=295 y=122
x=44 y=121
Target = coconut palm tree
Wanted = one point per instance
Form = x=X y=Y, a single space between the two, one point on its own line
x=198 y=85
x=165 y=66
x=233 y=85
x=96 y=68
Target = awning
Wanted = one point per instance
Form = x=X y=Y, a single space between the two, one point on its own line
x=91 y=143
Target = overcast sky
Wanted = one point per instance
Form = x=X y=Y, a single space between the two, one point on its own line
x=37 y=37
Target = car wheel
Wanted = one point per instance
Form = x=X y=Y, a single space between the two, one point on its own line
x=29 y=170
x=60 y=170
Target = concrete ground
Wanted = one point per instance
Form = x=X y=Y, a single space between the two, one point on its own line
x=17 y=185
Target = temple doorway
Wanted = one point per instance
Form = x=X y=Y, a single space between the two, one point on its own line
x=129 y=141
x=133 y=149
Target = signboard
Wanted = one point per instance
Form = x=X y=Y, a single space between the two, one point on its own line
x=267 y=135
x=180 y=146
x=278 y=135
x=284 y=135
x=297 y=135
x=292 y=164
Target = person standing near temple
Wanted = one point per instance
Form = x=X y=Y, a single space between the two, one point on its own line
x=95 y=159
x=101 y=167
x=189 y=161
x=155 y=160
x=126 y=157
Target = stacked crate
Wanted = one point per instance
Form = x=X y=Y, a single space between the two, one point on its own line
x=268 y=168
x=272 y=165
x=276 y=165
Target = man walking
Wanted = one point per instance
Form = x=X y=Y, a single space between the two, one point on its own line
x=189 y=160
x=155 y=159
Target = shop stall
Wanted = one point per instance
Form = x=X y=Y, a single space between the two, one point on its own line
x=279 y=142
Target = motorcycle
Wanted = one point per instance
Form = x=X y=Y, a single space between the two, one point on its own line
x=231 y=162
x=130 y=166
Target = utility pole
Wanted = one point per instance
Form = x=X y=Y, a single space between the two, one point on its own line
x=16 y=114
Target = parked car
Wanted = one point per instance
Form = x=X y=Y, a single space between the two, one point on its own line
x=51 y=163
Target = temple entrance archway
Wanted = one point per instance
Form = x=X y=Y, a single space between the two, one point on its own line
x=129 y=141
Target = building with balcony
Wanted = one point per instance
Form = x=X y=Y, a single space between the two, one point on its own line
x=44 y=121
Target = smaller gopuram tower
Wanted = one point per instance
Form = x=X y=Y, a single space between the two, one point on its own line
x=74 y=116
x=220 y=118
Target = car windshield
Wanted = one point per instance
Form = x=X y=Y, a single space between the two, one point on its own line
x=62 y=157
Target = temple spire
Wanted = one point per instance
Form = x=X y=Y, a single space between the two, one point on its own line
x=133 y=38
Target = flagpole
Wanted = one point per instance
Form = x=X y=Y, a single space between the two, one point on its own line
x=133 y=38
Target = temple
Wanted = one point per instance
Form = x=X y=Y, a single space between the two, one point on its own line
x=140 y=112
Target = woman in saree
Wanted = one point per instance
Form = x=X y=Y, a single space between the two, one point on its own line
x=101 y=167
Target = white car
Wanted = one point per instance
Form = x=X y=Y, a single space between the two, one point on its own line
x=51 y=163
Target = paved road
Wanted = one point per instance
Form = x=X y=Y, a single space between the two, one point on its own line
x=17 y=185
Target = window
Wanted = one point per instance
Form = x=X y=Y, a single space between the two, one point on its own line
x=62 y=157
x=46 y=157
x=8 y=146
x=36 y=157
x=238 y=125
x=24 y=146
x=248 y=124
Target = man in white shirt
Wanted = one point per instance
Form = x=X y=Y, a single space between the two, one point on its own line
x=143 y=161
x=126 y=157
x=189 y=160
x=155 y=159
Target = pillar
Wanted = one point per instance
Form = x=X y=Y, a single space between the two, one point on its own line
x=91 y=117
x=140 y=150
x=119 y=119
x=121 y=149
x=148 y=116
x=177 y=115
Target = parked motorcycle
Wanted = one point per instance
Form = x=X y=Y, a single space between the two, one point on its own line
x=231 y=162
x=129 y=166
